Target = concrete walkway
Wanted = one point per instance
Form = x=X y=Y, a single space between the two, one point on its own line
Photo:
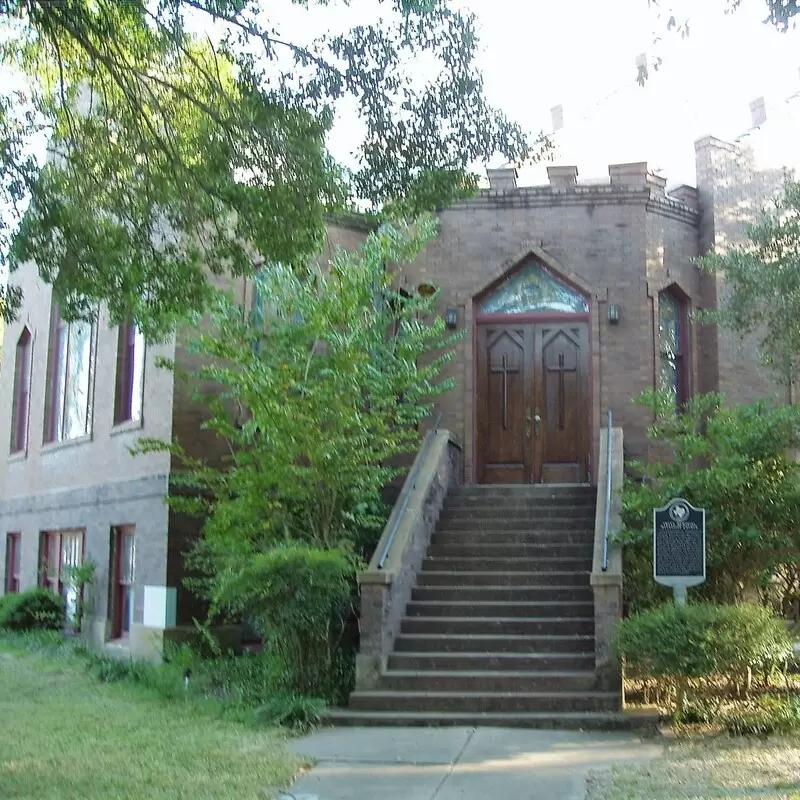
x=459 y=763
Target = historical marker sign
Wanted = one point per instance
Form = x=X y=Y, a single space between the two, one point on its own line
x=679 y=546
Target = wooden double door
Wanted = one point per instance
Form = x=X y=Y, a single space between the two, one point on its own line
x=533 y=402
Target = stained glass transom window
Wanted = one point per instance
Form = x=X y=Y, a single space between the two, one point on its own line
x=531 y=289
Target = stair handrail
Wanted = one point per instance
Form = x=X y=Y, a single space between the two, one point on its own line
x=607 y=509
x=408 y=489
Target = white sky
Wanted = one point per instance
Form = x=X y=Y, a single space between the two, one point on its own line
x=540 y=53
x=582 y=56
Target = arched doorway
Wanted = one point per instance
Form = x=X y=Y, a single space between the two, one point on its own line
x=532 y=405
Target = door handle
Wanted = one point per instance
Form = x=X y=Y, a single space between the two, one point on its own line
x=536 y=420
x=528 y=422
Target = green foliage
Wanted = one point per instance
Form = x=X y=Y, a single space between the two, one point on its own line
x=295 y=711
x=699 y=640
x=80 y=577
x=157 y=132
x=763 y=283
x=733 y=462
x=762 y=716
x=342 y=372
x=316 y=392
x=32 y=609
x=299 y=599
x=247 y=688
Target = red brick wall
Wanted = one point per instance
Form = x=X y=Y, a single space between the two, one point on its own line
x=620 y=243
x=733 y=190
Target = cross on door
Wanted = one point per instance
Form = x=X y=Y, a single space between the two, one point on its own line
x=505 y=371
x=561 y=369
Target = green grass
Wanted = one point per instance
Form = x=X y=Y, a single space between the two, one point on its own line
x=715 y=768
x=65 y=735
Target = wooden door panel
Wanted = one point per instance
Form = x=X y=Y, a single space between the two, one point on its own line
x=561 y=394
x=504 y=394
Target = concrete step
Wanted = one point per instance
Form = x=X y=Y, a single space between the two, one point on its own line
x=472 y=609
x=572 y=515
x=520 y=501
x=493 y=644
x=501 y=524
x=379 y=700
x=583 y=514
x=505 y=550
x=500 y=626
x=498 y=594
x=447 y=575
x=538 y=491
x=487 y=681
x=484 y=563
x=451 y=535
x=570 y=720
x=540 y=662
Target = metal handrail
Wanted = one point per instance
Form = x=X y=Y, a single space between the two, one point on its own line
x=607 y=513
x=408 y=488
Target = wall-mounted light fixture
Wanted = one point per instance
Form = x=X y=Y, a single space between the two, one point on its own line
x=451 y=318
x=613 y=314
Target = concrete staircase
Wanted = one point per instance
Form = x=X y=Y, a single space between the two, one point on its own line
x=500 y=627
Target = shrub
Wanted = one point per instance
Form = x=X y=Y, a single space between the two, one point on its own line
x=701 y=640
x=299 y=599
x=35 y=609
x=295 y=711
x=732 y=461
x=764 y=716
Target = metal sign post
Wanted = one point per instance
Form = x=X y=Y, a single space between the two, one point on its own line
x=679 y=547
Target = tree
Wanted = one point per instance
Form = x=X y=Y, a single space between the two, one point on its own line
x=171 y=155
x=762 y=281
x=315 y=401
x=733 y=462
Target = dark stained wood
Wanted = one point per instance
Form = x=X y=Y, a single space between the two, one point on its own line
x=527 y=371
x=562 y=397
x=504 y=388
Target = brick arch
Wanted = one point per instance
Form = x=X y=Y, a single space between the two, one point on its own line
x=671 y=286
x=528 y=251
x=467 y=300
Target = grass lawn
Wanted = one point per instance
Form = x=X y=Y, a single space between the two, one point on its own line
x=65 y=735
x=715 y=768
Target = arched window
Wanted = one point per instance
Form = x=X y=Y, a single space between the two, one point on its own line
x=69 y=389
x=129 y=393
x=673 y=340
x=533 y=289
x=22 y=393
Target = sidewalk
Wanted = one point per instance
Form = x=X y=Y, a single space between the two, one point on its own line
x=459 y=763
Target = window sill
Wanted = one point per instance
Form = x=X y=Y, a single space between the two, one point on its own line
x=49 y=447
x=19 y=455
x=127 y=426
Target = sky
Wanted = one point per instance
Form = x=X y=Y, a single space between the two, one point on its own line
x=582 y=54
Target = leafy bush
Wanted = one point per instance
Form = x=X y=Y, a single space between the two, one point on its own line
x=763 y=716
x=295 y=711
x=733 y=462
x=34 y=609
x=298 y=598
x=6 y=599
x=700 y=640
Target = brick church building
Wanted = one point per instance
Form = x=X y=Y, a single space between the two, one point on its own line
x=575 y=296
